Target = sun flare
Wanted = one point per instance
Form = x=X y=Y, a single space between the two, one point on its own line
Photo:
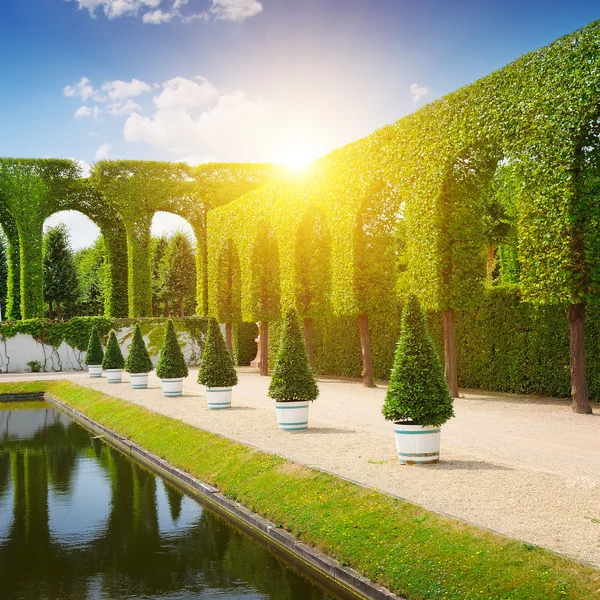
x=297 y=156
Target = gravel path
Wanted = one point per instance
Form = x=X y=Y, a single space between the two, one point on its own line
x=528 y=468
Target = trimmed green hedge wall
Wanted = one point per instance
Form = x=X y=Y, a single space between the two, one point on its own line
x=244 y=346
x=505 y=345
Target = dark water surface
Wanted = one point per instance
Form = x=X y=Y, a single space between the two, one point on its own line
x=78 y=520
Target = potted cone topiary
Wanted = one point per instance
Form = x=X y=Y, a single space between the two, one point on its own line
x=171 y=367
x=113 y=361
x=94 y=354
x=417 y=400
x=293 y=385
x=138 y=363
x=216 y=372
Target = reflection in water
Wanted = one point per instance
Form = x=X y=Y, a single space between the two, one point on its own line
x=79 y=520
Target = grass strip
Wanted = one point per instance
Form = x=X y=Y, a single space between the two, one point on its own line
x=413 y=552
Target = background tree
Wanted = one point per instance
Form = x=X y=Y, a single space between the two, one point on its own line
x=179 y=272
x=3 y=275
x=91 y=275
x=60 y=273
x=158 y=247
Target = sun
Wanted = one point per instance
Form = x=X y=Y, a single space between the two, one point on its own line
x=297 y=156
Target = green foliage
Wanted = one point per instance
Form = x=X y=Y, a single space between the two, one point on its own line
x=244 y=345
x=138 y=359
x=158 y=247
x=417 y=392
x=3 y=275
x=91 y=275
x=34 y=365
x=60 y=273
x=113 y=357
x=95 y=353
x=216 y=368
x=178 y=273
x=171 y=363
x=342 y=517
x=292 y=378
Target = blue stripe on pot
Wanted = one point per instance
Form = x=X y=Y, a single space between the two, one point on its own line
x=217 y=391
x=422 y=454
x=402 y=432
x=289 y=407
x=172 y=394
x=299 y=423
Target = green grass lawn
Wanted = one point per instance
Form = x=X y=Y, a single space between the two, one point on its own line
x=414 y=552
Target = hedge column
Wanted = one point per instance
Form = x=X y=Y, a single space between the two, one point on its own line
x=139 y=268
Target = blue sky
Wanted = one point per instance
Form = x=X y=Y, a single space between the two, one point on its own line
x=253 y=80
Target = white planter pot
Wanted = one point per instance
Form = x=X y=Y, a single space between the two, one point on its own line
x=218 y=397
x=292 y=416
x=95 y=371
x=172 y=386
x=114 y=375
x=417 y=444
x=139 y=381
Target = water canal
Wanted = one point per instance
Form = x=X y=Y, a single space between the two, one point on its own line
x=78 y=520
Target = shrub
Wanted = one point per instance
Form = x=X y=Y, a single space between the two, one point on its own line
x=34 y=365
x=171 y=362
x=113 y=357
x=138 y=359
x=94 y=354
x=216 y=368
x=418 y=391
x=293 y=379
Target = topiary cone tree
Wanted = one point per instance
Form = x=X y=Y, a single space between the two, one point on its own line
x=216 y=369
x=171 y=363
x=94 y=354
x=418 y=391
x=292 y=379
x=113 y=357
x=138 y=360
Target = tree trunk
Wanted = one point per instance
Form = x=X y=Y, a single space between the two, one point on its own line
x=50 y=312
x=58 y=311
x=264 y=347
x=490 y=262
x=365 y=348
x=450 y=372
x=181 y=306
x=308 y=340
x=229 y=337
x=166 y=310
x=579 y=389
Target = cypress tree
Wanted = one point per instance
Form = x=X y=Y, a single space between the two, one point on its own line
x=94 y=354
x=418 y=391
x=113 y=357
x=292 y=379
x=216 y=368
x=138 y=360
x=171 y=363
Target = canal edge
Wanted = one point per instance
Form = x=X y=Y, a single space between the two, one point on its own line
x=328 y=571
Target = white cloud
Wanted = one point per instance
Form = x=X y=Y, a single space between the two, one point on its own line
x=156 y=17
x=156 y=12
x=82 y=89
x=85 y=111
x=192 y=118
x=103 y=151
x=117 y=8
x=235 y=10
x=121 y=90
x=119 y=109
x=82 y=112
x=182 y=94
x=417 y=92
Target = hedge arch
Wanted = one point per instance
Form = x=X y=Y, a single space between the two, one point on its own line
x=29 y=191
x=86 y=200
x=138 y=189
x=540 y=114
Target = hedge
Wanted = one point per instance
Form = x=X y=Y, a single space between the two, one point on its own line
x=505 y=345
